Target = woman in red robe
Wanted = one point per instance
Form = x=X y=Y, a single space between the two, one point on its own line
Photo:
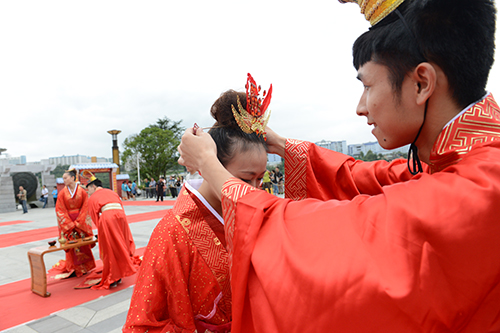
x=183 y=283
x=74 y=222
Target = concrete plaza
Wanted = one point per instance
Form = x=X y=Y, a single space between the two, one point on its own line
x=103 y=314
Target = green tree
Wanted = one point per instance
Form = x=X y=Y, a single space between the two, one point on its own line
x=371 y=156
x=155 y=147
x=396 y=154
x=59 y=170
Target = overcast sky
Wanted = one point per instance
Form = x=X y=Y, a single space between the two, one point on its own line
x=70 y=71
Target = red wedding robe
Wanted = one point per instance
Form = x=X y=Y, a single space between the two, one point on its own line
x=183 y=283
x=72 y=216
x=116 y=244
x=372 y=249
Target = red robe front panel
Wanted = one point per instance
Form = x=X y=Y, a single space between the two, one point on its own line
x=370 y=248
x=72 y=216
x=184 y=278
x=116 y=244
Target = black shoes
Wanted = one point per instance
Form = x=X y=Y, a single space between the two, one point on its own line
x=114 y=284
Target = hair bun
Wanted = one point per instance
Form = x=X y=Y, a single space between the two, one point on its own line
x=222 y=111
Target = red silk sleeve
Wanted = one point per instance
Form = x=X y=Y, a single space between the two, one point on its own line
x=94 y=208
x=64 y=222
x=315 y=172
x=83 y=222
x=409 y=259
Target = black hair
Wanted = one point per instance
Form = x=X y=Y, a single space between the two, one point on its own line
x=226 y=133
x=71 y=173
x=95 y=182
x=456 y=35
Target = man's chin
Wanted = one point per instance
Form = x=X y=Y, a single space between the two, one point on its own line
x=386 y=144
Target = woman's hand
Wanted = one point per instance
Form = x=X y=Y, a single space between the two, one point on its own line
x=275 y=143
x=196 y=149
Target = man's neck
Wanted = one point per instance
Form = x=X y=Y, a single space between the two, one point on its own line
x=440 y=111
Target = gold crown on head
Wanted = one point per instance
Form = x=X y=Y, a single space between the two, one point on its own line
x=89 y=175
x=375 y=10
x=254 y=119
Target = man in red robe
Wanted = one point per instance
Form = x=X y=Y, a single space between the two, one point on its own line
x=375 y=247
x=116 y=244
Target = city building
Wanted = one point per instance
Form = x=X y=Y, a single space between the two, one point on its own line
x=356 y=149
x=12 y=160
x=273 y=159
x=338 y=146
x=76 y=159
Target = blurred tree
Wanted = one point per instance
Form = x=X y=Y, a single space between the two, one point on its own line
x=281 y=166
x=155 y=148
x=371 y=156
x=396 y=155
x=59 y=170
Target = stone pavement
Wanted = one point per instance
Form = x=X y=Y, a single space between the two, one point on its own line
x=104 y=314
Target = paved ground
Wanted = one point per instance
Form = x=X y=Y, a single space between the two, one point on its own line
x=105 y=314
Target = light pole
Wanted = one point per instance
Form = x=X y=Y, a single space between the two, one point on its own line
x=138 y=171
x=116 y=153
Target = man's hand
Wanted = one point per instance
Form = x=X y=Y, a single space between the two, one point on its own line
x=196 y=149
x=275 y=143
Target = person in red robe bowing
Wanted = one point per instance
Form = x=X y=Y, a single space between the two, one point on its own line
x=403 y=246
x=74 y=222
x=183 y=284
x=116 y=244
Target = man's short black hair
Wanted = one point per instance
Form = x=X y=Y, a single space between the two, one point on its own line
x=456 y=35
x=96 y=182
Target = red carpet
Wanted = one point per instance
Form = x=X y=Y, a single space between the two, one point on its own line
x=146 y=216
x=13 y=222
x=19 y=305
x=148 y=203
x=21 y=237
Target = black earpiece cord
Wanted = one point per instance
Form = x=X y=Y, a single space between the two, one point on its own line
x=413 y=152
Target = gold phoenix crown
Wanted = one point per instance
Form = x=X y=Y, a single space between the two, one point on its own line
x=256 y=116
x=375 y=10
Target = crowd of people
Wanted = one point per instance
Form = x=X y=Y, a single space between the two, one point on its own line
x=160 y=189
x=129 y=190
x=153 y=189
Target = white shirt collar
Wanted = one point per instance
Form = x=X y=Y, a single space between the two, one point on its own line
x=72 y=193
x=193 y=185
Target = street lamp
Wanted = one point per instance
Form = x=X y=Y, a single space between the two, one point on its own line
x=138 y=171
x=116 y=153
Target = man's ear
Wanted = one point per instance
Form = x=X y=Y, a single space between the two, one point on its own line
x=425 y=78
